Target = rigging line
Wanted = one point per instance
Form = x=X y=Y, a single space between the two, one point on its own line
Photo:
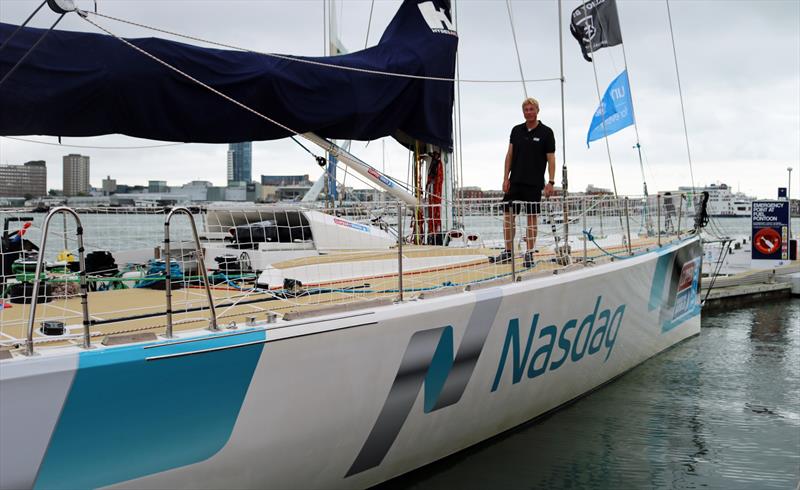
x=344 y=185
x=603 y=119
x=94 y=147
x=680 y=94
x=564 y=179
x=635 y=123
x=318 y=63
x=638 y=146
x=369 y=23
x=459 y=171
x=516 y=47
x=304 y=147
x=22 y=25
x=30 y=50
x=408 y=167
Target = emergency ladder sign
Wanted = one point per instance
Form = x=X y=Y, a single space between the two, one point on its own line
x=770 y=234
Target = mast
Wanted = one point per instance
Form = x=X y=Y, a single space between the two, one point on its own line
x=333 y=47
x=564 y=180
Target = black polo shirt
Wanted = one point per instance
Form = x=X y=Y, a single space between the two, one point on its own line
x=529 y=153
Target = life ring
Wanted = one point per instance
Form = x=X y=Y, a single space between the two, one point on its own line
x=767 y=241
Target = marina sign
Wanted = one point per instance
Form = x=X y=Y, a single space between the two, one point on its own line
x=770 y=233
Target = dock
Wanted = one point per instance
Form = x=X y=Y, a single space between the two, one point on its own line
x=750 y=287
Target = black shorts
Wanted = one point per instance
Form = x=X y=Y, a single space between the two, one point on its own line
x=523 y=198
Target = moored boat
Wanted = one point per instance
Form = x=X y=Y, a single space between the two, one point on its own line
x=321 y=351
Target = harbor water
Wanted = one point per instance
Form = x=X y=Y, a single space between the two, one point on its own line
x=720 y=411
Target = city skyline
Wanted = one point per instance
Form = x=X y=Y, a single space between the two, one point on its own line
x=738 y=132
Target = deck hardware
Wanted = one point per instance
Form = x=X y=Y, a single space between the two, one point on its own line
x=212 y=316
x=585 y=240
x=231 y=325
x=658 y=217
x=52 y=327
x=513 y=257
x=251 y=321
x=129 y=338
x=272 y=317
x=336 y=308
x=38 y=279
x=628 y=227
x=400 y=251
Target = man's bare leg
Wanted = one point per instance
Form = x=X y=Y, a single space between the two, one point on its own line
x=508 y=228
x=530 y=235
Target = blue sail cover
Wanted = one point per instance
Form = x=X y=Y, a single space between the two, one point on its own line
x=85 y=84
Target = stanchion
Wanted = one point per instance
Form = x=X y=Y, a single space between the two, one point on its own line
x=628 y=227
x=400 y=251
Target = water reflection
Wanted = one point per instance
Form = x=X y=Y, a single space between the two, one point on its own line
x=769 y=326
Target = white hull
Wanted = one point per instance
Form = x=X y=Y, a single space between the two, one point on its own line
x=343 y=401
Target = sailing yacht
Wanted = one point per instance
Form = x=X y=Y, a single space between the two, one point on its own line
x=390 y=353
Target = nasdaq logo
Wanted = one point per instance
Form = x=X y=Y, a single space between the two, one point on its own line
x=554 y=346
x=429 y=362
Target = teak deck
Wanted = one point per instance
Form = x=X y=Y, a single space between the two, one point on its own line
x=138 y=310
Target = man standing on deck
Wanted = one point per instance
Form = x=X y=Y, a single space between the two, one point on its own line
x=531 y=150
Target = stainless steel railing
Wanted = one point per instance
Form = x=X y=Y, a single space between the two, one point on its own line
x=38 y=280
x=200 y=264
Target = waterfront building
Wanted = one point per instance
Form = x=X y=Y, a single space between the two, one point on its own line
x=196 y=190
x=291 y=192
x=109 y=186
x=216 y=193
x=470 y=192
x=28 y=179
x=240 y=162
x=130 y=189
x=493 y=194
x=157 y=186
x=283 y=180
x=592 y=190
x=367 y=195
x=236 y=192
x=76 y=175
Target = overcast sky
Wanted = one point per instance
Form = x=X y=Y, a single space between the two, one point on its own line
x=739 y=64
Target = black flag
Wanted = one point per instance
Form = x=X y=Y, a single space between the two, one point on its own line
x=595 y=22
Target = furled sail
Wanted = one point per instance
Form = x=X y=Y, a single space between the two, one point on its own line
x=83 y=84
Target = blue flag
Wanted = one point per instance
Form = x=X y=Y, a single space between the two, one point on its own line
x=617 y=107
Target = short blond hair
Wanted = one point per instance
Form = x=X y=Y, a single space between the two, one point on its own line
x=530 y=100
